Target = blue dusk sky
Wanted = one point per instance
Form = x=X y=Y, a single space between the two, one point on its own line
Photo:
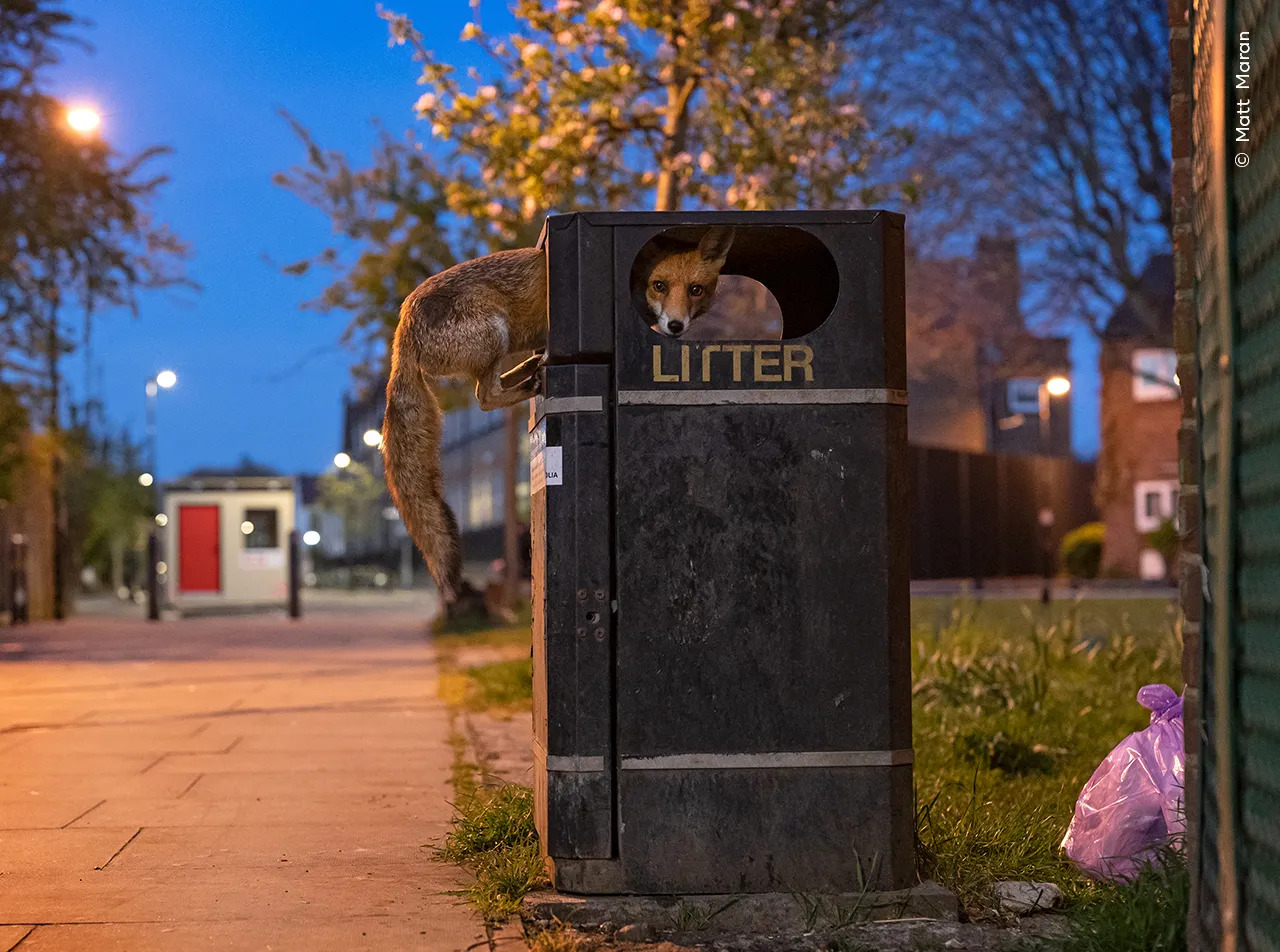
x=207 y=80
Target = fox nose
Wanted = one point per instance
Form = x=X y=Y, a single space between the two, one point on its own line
x=675 y=326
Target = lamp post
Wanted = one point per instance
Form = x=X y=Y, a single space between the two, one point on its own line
x=164 y=380
x=342 y=461
x=1056 y=386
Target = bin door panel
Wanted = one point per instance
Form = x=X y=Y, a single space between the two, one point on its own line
x=573 y=624
x=754 y=566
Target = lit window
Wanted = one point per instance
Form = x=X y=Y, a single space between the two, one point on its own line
x=1024 y=395
x=263 y=529
x=1153 y=503
x=1155 y=374
x=480 y=510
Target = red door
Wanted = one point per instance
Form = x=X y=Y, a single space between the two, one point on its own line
x=198 y=555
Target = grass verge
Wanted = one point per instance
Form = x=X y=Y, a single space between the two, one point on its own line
x=1014 y=706
x=492 y=837
x=1147 y=915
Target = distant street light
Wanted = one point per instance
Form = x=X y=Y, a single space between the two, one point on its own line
x=372 y=438
x=164 y=380
x=311 y=537
x=1056 y=386
x=84 y=119
x=246 y=527
x=146 y=479
x=161 y=520
x=342 y=461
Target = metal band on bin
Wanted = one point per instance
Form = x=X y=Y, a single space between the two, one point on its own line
x=761 y=395
x=765 y=761
x=545 y=405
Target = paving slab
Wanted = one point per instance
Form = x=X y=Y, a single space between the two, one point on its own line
x=231 y=783
x=367 y=934
x=23 y=811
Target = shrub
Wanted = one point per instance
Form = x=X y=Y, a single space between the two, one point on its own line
x=1080 y=553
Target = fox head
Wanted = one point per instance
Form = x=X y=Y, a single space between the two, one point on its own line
x=682 y=284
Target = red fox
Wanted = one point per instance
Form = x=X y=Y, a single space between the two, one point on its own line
x=467 y=321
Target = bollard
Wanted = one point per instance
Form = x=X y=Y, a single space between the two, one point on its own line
x=295 y=574
x=153 y=578
x=720 y=568
x=19 y=599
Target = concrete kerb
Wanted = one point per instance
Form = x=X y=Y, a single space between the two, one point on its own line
x=775 y=914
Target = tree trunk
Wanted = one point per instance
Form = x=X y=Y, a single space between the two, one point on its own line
x=675 y=128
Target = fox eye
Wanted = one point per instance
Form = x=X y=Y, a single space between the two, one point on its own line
x=660 y=286
x=695 y=290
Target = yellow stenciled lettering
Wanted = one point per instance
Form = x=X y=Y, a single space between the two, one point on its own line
x=737 y=350
x=707 y=351
x=797 y=357
x=658 y=375
x=768 y=355
x=684 y=363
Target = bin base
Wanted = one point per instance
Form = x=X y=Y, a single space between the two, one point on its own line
x=742 y=914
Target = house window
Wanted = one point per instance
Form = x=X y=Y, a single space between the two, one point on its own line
x=1155 y=501
x=1155 y=375
x=1024 y=395
x=261 y=529
x=456 y=499
x=480 y=512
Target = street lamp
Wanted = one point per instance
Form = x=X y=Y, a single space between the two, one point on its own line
x=1056 y=386
x=164 y=380
x=161 y=381
x=372 y=438
x=342 y=461
x=84 y=119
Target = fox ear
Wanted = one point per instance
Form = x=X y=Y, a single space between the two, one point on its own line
x=715 y=244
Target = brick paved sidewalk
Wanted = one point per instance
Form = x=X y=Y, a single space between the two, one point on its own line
x=242 y=783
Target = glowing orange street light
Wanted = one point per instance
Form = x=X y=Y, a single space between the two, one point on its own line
x=84 y=119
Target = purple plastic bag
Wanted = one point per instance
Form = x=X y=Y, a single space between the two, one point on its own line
x=1133 y=803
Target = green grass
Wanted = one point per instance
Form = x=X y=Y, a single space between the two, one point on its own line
x=493 y=837
x=502 y=684
x=1014 y=707
x=479 y=633
x=1148 y=915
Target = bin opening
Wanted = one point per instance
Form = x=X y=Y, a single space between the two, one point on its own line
x=777 y=283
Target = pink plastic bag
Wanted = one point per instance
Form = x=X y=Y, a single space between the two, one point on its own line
x=1133 y=804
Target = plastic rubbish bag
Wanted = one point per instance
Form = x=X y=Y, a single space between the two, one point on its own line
x=1134 y=803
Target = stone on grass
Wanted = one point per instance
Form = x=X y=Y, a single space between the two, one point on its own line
x=1022 y=898
x=635 y=932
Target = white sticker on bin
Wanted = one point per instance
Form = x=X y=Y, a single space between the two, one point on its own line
x=546 y=463
x=555 y=465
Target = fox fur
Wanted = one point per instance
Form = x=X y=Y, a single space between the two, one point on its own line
x=468 y=321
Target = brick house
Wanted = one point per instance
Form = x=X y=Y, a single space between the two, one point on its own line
x=975 y=369
x=1137 y=481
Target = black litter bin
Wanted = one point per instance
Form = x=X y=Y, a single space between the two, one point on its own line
x=720 y=568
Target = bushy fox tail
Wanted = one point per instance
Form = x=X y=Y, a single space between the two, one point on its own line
x=411 y=438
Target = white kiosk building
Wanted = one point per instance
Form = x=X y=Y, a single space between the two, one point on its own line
x=226 y=542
